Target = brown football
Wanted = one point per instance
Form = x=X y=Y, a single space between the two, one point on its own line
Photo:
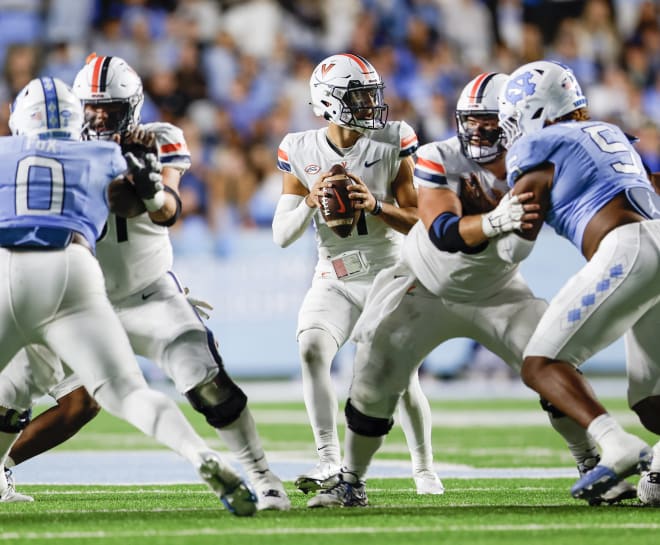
x=336 y=207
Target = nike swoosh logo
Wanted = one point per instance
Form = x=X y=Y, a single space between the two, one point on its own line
x=342 y=206
x=146 y=296
x=368 y=164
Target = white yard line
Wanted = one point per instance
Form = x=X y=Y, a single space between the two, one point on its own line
x=457 y=528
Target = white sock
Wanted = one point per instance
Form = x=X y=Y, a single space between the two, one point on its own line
x=655 y=464
x=578 y=440
x=154 y=414
x=243 y=441
x=606 y=431
x=317 y=349
x=415 y=419
x=9 y=462
x=359 y=451
x=7 y=439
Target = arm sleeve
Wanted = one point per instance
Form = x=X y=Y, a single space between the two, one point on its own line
x=292 y=217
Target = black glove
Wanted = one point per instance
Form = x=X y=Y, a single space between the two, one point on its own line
x=147 y=179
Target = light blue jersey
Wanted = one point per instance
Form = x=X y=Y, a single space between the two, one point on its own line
x=594 y=161
x=49 y=187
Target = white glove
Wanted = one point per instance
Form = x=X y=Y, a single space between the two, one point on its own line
x=504 y=218
x=200 y=306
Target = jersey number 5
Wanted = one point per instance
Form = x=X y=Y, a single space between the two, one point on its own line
x=629 y=165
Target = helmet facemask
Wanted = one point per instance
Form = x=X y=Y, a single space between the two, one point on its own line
x=363 y=106
x=105 y=118
x=480 y=135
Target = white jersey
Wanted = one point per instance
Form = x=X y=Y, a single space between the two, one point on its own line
x=457 y=276
x=375 y=158
x=135 y=252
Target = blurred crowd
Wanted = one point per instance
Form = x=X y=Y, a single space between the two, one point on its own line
x=234 y=74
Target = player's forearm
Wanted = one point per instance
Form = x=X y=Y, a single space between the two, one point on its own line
x=123 y=199
x=470 y=229
x=291 y=219
x=401 y=219
x=169 y=212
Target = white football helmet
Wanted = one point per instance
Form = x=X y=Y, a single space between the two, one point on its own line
x=46 y=106
x=111 y=83
x=478 y=99
x=536 y=93
x=347 y=90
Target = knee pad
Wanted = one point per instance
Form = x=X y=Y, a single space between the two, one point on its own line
x=13 y=421
x=221 y=401
x=362 y=424
x=550 y=408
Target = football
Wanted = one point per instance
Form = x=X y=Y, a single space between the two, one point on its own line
x=336 y=207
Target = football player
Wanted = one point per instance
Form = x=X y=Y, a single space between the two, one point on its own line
x=458 y=277
x=347 y=91
x=136 y=257
x=590 y=185
x=56 y=192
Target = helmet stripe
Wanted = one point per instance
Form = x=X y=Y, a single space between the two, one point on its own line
x=52 y=105
x=103 y=78
x=479 y=87
x=362 y=63
x=98 y=62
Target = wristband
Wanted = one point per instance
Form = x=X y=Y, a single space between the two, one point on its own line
x=156 y=202
x=377 y=209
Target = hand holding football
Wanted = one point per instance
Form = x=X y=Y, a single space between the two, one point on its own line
x=336 y=206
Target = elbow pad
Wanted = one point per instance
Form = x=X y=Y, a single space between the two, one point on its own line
x=445 y=235
x=291 y=219
x=512 y=248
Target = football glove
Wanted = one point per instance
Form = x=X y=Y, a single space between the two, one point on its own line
x=147 y=180
x=506 y=217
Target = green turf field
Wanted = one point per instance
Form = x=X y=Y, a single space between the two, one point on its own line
x=472 y=511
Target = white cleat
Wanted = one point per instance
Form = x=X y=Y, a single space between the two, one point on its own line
x=313 y=479
x=648 y=488
x=427 y=482
x=235 y=495
x=9 y=494
x=270 y=492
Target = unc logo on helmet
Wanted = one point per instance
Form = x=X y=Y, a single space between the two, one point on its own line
x=535 y=94
x=519 y=88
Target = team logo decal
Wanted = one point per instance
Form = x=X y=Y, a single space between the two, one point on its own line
x=312 y=169
x=520 y=87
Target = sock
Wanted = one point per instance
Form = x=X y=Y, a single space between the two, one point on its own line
x=317 y=348
x=359 y=451
x=415 y=419
x=606 y=431
x=9 y=462
x=655 y=464
x=579 y=442
x=243 y=441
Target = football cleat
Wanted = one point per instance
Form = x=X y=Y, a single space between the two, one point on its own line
x=341 y=490
x=602 y=478
x=313 y=479
x=623 y=490
x=427 y=482
x=9 y=494
x=270 y=492
x=648 y=488
x=235 y=495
